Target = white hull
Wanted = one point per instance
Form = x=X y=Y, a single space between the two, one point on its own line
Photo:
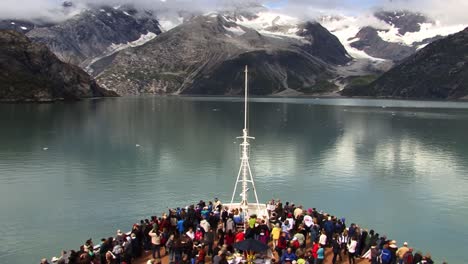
x=253 y=208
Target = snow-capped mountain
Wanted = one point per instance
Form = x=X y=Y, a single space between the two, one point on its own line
x=91 y=32
x=95 y=32
x=437 y=71
x=387 y=35
x=198 y=56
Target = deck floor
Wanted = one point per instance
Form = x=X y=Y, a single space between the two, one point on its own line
x=328 y=258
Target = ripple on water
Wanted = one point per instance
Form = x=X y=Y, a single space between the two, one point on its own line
x=404 y=175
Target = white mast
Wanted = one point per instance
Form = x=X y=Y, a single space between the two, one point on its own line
x=244 y=169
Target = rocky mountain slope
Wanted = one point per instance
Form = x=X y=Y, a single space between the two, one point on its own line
x=30 y=72
x=438 y=71
x=386 y=35
x=91 y=33
x=206 y=56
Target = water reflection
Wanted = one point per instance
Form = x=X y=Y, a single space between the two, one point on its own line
x=110 y=162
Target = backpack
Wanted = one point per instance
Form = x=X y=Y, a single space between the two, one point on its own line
x=408 y=258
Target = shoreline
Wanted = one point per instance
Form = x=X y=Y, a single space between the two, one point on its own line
x=305 y=96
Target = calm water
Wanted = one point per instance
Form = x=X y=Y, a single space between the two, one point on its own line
x=401 y=169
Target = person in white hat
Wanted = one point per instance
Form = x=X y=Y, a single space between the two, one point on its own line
x=401 y=252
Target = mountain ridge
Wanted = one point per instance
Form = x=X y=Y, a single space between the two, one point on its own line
x=438 y=71
x=31 y=72
x=210 y=44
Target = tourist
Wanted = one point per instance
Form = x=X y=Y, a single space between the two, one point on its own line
x=375 y=254
x=288 y=256
x=323 y=238
x=291 y=222
x=418 y=256
x=155 y=242
x=105 y=246
x=309 y=258
x=275 y=234
x=203 y=218
x=240 y=236
x=362 y=243
x=230 y=225
x=263 y=236
x=198 y=234
x=223 y=259
x=208 y=239
x=282 y=244
x=205 y=224
x=180 y=226
x=386 y=256
x=201 y=255
x=408 y=257
x=294 y=244
x=170 y=248
x=128 y=250
x=428 y=258
x=352 y=249
x=193 y=253
x=184 y=260
x=320 y=254
x=217 y=258
x=117 y=251
x=329 y=228
x=344 y=239
x=285 y=227
x=300 y=236
x=401 y=252
x=229 y=238
x=190 y=233
x=314 y=233
x=314 y=250
x=221 y=236
x=336 y=248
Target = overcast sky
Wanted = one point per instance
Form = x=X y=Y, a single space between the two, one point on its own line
x=449 y=11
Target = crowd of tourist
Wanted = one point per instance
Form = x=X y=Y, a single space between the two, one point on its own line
x=209 y=230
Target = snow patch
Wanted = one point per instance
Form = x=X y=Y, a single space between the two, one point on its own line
x=24 y=28
x=170 y=23
x=271 y=23
x=144 y=38
x=109 y=14
x=102 y=10
x=13 y=23
x=428 y=30
x=345 y=29
x=126 y=13
x=265 y=20
x=422 y=46
x=235 y=30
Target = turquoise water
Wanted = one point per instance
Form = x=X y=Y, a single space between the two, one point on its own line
x=70 y=171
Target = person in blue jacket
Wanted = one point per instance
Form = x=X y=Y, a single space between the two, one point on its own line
x=288 y=256
x=180 y=226
x=386 y=256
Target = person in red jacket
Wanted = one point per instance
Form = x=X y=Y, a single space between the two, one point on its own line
x=282 y=244
x=229 y=238
x=315 y=248
x=295 y=244
x=201 y=255
x=240 y=236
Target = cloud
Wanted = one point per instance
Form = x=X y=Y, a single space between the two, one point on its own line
x=447 y=11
